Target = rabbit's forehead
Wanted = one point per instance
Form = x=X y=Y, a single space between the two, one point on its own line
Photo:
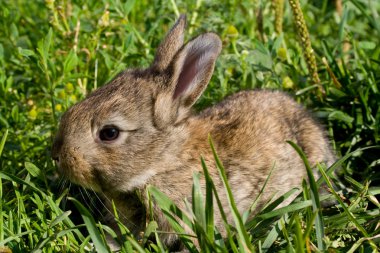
x=95 y=112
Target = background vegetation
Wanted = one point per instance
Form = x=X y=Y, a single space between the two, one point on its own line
x=52 y=53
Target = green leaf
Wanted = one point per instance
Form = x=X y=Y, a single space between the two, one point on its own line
x=341 y=116
x=14 y=31
x=15 y=113
x=369 y=45
x=272 y=236
x=43 y=47
x=3 y=139
x=1 y=52
x=286 y=209
x=25 y=52
x=150 y=229
x=32 y=169
x=60 y=218
x=16 y=237
x=128 y=6
x=197 y=201
x=15 y=179
x=71 y=62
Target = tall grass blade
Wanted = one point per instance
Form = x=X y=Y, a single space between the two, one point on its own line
x=272 y=236
x=299 y=238
x=40 y=246
x=319 y=227
x=197 y=202
x=15 y=237
x=346 y=210
x=91 y=226
x=170 y=209
x=243 y=239
x=209 y=203
x=286 y=209
x=3 y=139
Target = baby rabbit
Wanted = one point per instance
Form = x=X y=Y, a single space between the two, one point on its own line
x=139 y=130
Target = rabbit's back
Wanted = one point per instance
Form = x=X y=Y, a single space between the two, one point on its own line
x=250 y=130
x=249 y=121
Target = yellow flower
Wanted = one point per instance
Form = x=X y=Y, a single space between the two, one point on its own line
x=73 y=98
x=229 y=71
x=58 y=107
x=232 y=32
x=282 y=54
x=105 y=19
x=61 y=94
x=32 y=114
x=69 y=87
x=287 y=83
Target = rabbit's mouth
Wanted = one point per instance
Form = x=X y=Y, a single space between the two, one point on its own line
x=78 y=171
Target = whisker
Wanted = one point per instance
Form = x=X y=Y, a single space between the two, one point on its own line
x=64 y=182
x=92 y=202
x=85 y=199
x=120 y=214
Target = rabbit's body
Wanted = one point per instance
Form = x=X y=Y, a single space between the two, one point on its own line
x=159 y=142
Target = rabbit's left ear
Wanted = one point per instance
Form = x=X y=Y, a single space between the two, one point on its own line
x=170 y=45
x=189 y=75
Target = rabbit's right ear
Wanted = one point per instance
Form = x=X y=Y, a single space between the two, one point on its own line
x=170 y=45
x=188 y=76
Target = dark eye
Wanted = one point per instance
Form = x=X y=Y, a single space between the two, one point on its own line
x=109 y=133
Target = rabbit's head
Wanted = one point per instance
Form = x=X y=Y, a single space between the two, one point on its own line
x=110 y=140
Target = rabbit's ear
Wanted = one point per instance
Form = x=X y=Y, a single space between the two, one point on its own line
x=193 y=68
x=189 y=74
x=170 y=45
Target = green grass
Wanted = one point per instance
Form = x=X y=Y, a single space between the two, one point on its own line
x=52 y=53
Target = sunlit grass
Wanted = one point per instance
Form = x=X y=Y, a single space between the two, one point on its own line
x=53 y=53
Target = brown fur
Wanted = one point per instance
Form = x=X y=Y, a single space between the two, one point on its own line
x=161 y=141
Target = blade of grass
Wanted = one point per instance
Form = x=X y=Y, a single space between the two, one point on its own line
x=3 y=139
x=319 y=227
x=197 y=202
x=359 y=242
x=348 y=213
x=40 y=246
x=244 y=242
x=286 y=209
x=209 y=206
x=254 y=204
x=222 y=213
x=169 y=209
x=91 y=226
x=298 y=235
x=272 y=236
x=363 y=11
x=15 y=237
x=341 y=161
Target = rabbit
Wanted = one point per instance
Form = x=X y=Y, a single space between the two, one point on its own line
x=140 y=130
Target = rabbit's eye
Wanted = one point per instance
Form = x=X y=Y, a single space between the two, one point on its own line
x=109 y=133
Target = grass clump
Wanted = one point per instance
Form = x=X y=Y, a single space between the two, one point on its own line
x=53 y=53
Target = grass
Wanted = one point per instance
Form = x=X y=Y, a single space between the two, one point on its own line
x=52 y=53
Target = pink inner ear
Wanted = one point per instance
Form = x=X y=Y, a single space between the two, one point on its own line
x=188 y=72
